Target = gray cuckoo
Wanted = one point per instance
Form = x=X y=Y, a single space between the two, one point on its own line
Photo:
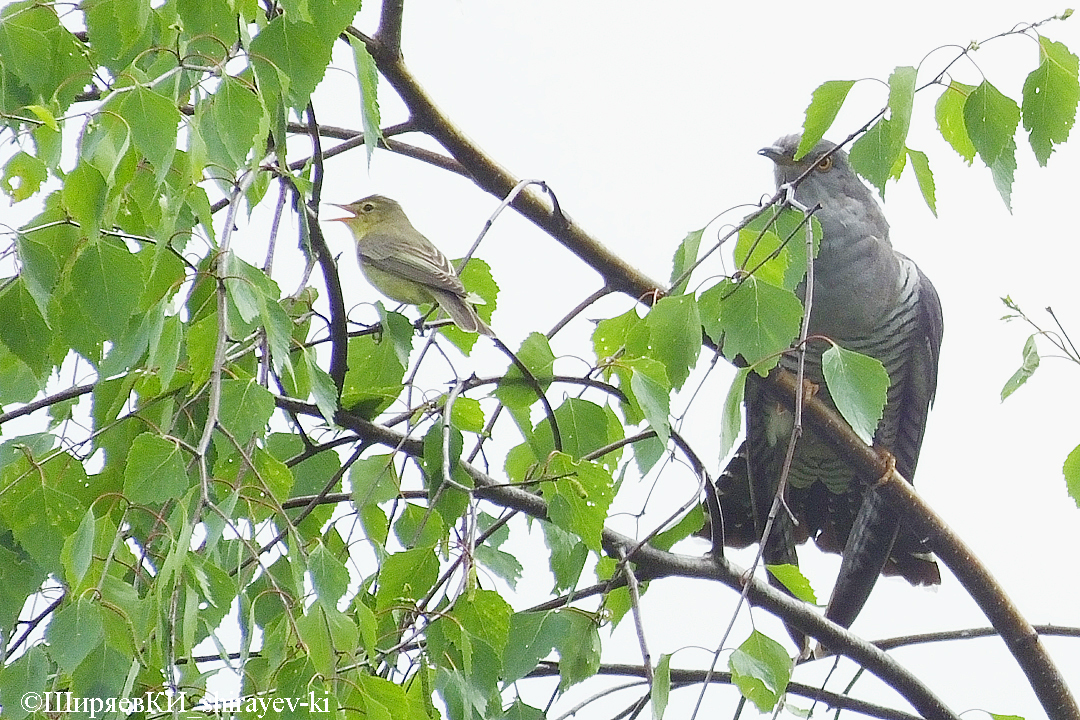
x=871 y=299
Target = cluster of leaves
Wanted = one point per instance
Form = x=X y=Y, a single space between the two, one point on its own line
x=199 y=474
x=973 y=119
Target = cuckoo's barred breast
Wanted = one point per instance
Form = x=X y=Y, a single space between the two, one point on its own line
x=873 y=300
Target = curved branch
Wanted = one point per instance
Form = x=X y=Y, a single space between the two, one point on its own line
x=694 y=677
x=490 y=176
x=1018 y=634
x=970 y=634
x=1020 y=637
x=653 y=563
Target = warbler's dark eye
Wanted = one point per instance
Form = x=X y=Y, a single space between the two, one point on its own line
x=368 y=207
x=825 y=165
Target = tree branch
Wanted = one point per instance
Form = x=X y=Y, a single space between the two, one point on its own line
x=692 y=677
x=498 y=181
x=1020 y=637
x=653 y=563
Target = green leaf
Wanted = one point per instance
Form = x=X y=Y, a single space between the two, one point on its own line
x=1051 y=93
x=468 y=640
x=514 y=392
x=751 y=318
x=27 y=171
x=825 y=103
x=1027 y=368
x=652 y=391
x=73 y=633
x=84 y=196
x=763 y=252
x=18 y=382
x=761 y=670
x=118 y=28
x=690 y=523
x=1071 y=470
x=106 y=281
x=901 y=102
x=520 y=711
x=584 y=427
x=240 y=119
x=78 y=552
x=503 y=564
x=329 y=576
x=322 y=387
x=880 y=153
x=530 y=638
x=374 y=378
x=374 y=480
x=1003 y=169
x=26 y=674
x=578 y=646
x=685 y=257
x=24 y=331
x=467 y=415
x=289 y=59
x=40 y=502
x=246 y=407
x=486 y=616
x=578 y=497
x=481 y=286
x=43 y=55
x=731 y=422
x=106 y=146
x=793 y=579
x=450 y=502
x=384 y=700
x=567 y=557
x=949 y=113
x=211 y=26
x=921 y=165
x=991 y=119
x=625 y=335
x=661 y=686
x=201 y=343
x=153 y=120
x=44 y=252
x=875 y=154
x=647 y=452
x=155 y=470
x=367 y=78
x=406 y=576
x=858 y=385
x=314 y=633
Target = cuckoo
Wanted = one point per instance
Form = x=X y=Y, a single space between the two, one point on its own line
x=867 y=298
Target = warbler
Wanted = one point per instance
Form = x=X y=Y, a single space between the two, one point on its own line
x=403 y=264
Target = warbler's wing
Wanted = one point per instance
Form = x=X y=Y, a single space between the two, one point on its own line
x=410 y=256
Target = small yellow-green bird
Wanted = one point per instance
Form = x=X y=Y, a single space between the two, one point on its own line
x=403 y=264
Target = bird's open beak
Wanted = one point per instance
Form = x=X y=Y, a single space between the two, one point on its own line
x=776 y=154
x=346 y=208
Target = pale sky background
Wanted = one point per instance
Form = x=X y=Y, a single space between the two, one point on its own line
x=645 y=120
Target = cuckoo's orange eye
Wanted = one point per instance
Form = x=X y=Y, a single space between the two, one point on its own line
x=825 y=165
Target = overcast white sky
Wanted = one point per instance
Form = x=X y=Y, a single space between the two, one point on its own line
x=645 y=119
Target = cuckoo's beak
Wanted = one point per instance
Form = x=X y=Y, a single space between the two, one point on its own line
x=776 y=154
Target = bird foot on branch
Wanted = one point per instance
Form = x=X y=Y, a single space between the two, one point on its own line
x=890 y=466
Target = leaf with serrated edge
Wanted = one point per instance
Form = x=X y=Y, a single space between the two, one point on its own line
x=858 y=385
